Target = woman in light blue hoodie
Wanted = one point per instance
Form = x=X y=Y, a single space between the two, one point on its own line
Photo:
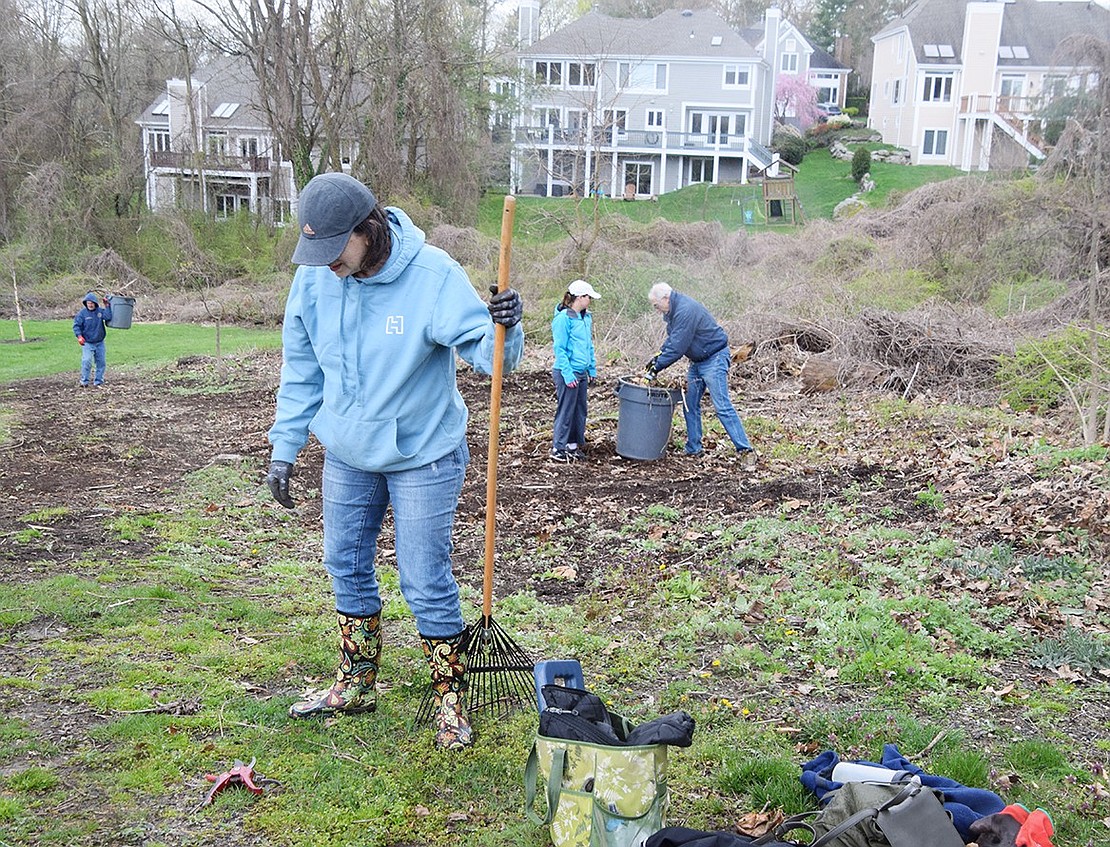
x=575 y=368
x=374 y=320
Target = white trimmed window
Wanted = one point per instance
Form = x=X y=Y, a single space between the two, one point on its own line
x=217 y=143
x=545 y=116
x=828 y=88
x=654 y=119
x=642 y=76
x=615 y=118
x=937 y=89
x=736 y=77
x=549 y=73
x=935 y=142
x=789 y=63
x=581 y=75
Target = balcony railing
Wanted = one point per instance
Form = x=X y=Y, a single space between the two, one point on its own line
x=998 y=104
x=190 y=161
x=632 y=140
x=1021 y=114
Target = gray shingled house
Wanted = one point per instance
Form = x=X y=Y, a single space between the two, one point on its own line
x=637 y=108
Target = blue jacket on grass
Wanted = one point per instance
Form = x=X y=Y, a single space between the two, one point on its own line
x=966 y=805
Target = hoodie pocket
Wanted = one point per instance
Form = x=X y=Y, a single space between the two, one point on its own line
x=367 y=444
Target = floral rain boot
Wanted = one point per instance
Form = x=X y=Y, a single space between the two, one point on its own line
x=448 y=665
x=360 y=653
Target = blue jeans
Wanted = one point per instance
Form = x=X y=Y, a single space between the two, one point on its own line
x=571 y=406
x=711 y=374
x=93 y=350
x=424 y=502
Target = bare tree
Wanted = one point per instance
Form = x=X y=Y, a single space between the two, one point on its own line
x=36 y=95
x=302 y=72
x=425 y=109
x=1083 y=155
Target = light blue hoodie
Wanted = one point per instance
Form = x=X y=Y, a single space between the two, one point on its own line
x=369 y=364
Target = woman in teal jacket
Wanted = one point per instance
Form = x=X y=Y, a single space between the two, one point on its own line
x=373 y=323
x=575 y=367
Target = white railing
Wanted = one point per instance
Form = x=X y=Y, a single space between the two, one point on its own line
x=632 y=140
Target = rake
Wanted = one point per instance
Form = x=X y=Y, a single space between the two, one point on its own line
x=499 y=672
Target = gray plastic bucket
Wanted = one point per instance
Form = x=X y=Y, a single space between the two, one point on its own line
x=644 y=419
x=122 y=307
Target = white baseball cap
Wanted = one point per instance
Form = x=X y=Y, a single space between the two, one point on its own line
x=580 y=287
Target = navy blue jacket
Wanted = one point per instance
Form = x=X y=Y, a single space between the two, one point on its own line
x=90 y=322
x=691 y=332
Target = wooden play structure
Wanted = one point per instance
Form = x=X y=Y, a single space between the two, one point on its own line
x=779 y=193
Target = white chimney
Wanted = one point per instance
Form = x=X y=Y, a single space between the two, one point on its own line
x=528 y=24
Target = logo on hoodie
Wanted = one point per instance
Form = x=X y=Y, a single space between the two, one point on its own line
x=395 y=325
x=308 y=230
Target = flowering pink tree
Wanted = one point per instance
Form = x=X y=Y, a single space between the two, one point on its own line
x=795 y=97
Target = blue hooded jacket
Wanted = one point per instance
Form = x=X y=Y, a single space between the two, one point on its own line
x=90 y=322
x=572 y=338
x=966 y=805
x=369 y=364
x=691 y=332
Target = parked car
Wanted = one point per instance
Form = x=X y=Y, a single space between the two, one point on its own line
x=830 y=111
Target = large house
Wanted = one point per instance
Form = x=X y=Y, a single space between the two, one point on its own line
x=207 y=146
x=965 y=83
x=638 y=107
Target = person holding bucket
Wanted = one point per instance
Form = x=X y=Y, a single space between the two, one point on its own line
x=88 y=327
x=692 y=332
x=575 y=368
x=373 y=322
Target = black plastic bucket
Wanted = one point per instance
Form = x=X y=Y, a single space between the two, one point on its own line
x=644 y=419
x=122 y=307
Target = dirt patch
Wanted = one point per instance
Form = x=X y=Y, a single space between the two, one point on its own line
x=80 y=459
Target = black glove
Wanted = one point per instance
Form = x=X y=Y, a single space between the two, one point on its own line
x=278 y=480
x=505 y=307
x=650 y=367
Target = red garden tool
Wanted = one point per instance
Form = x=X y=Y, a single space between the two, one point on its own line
x=240 y=775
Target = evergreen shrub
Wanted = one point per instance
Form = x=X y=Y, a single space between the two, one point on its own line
x=791 y=148
x=861 y=163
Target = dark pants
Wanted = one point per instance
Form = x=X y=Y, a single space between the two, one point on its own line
x=570 y=411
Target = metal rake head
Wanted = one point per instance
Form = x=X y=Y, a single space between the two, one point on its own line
x=499 y=674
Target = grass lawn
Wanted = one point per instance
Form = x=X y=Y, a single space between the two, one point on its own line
x=822 y=182
x=50 y=347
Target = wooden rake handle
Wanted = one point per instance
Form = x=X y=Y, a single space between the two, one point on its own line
x=508 y=212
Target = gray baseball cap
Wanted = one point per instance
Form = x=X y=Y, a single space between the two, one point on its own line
x=330 y=207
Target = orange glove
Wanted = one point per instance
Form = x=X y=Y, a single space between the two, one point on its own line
x=1036 y=826
x=81 y=340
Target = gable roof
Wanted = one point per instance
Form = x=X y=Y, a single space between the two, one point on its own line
x=822 y=61
x=685 y=33
x=1037 y=25
x=819 y=60
x=227 y=81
